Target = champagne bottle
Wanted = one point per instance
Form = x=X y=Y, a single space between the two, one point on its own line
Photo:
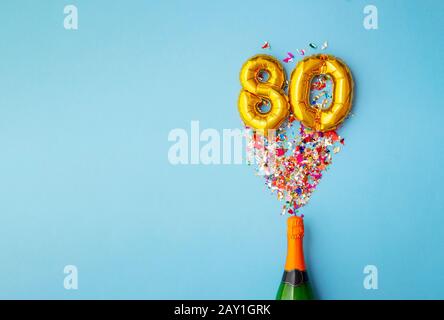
x=294 y=284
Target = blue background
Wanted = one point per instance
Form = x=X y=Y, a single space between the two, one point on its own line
x=85 y=177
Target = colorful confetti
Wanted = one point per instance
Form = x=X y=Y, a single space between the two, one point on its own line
x=321 y=91
x=292 y=161
x=324 y=45
x=301 y=52
x=289 y=57
x=266 y=45
x=313 y=46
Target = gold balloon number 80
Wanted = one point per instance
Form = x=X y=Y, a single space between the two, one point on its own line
x=263 y=79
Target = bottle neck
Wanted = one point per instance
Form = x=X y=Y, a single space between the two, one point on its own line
x=295 y=251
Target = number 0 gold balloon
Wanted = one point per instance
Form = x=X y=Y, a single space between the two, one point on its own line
x=299 y=92
x=257 y=89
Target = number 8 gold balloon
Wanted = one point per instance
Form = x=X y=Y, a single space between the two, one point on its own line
x=299 y=92
x=257 y=90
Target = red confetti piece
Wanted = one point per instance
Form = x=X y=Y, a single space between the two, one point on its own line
x=266 y=45
x=280 y=152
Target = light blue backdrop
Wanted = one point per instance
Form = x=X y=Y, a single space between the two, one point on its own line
x=85 y=178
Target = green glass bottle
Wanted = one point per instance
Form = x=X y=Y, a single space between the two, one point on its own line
x=294 y=284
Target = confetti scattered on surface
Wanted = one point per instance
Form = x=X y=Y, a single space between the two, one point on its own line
x=301 y=52
x=266 y=45
x=313 y=46
x=289 y=57
x=324 y=45
x=292 y=161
